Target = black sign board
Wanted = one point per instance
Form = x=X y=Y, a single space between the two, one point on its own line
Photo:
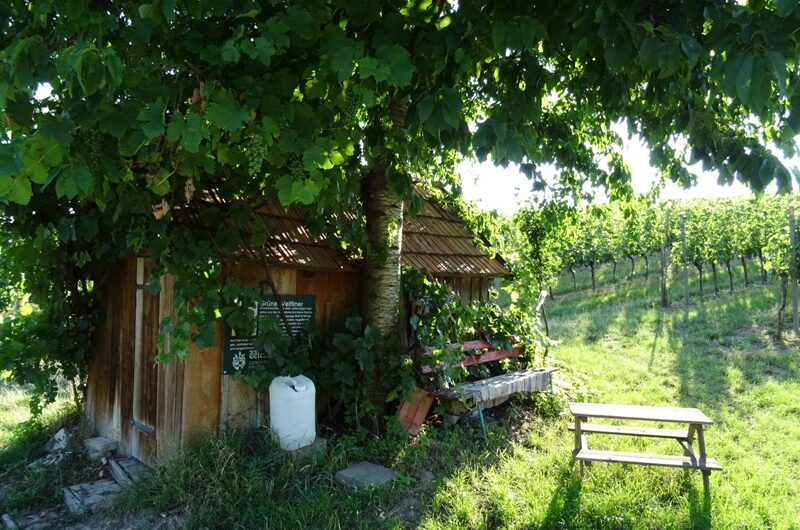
x=239 y=353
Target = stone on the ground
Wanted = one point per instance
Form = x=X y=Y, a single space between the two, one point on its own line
x=99 y=447
x=408 y=511
x=364 y=474
x=426 y=479
x=58 y=442
x=50 y=460
x=128 y=470
x=317 y=448
x=90 y=496
x=43 y=520
x=8 y=522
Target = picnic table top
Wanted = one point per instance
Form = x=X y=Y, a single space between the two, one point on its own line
x=640 y=412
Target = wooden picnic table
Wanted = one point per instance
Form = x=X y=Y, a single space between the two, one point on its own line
x=693 y=418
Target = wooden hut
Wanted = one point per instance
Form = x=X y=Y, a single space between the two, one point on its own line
x=152 y=408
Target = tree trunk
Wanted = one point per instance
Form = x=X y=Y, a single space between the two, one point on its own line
x=550 y=290
x=574 y=283
x=730 y=274
x=782 y=307
x=646 y=267
x=630 y=276
x=714 y=273
x=744 y=268
x=763 y=270
x=591 y=268
x=614 y=273
x=699 y=267
x=380 y=301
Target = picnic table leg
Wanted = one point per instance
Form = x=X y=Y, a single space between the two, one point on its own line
x=689 y=441
x=578 y=441
x=701 y=446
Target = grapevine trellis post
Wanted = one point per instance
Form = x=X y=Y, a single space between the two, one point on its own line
x=665 y=262
x=682 y=215
x=793 y=267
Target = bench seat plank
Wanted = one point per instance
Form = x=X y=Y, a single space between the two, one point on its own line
x=686 y=462
x=530 y=380
x=640 y=412
x=676 y=434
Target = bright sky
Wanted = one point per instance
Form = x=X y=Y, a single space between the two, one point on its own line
x=504 y=189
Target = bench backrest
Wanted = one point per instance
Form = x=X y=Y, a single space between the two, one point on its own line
x=489 y=355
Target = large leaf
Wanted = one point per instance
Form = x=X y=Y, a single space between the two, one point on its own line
x=399 y=61
x=225 y=112
x=10 y=160
x=744 y=78
x=152 y=120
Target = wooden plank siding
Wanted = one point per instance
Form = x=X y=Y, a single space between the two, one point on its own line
x=109 y=400
x=170 y=383
x=145 y=376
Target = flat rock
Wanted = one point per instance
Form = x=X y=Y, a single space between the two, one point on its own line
x=317 y=448
x=408 y=511
x=43 y=520
x=127 y=470
x=8 y=522
x=58 y=442
x=90 y=496
x=99 y=447
x=364 y=474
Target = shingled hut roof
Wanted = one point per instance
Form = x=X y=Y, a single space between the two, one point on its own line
x=436 y=241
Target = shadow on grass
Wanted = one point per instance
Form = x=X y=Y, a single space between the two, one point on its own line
x=721 y=333
x=699 y=504
x=565 y=504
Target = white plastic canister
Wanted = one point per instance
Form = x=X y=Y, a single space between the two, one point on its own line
x=292 y=414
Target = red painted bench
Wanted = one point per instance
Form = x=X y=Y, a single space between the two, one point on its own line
x=480 y=394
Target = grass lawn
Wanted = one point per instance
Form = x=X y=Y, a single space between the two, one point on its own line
x=717 y=355
x=615 y=345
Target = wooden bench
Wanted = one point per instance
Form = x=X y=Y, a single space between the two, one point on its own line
x=482 y=394
x=692 y=417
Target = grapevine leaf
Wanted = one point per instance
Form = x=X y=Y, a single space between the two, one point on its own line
x=399 y=61
x=114 y=67
x=74 y=181
x=10 y=161
x=372 y=67
x=152 y=120
x=344 y=59
x=189 y=130
x=224 y=112
x=229 y=52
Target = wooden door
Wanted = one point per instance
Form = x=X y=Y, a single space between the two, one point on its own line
x=145 y=369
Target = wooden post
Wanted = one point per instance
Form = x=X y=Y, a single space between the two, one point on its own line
x=793 y=267
x=665 y=262
x=578 y=442
x=682 y=215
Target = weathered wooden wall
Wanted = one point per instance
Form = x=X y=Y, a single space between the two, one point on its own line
x=124 y=382
x=469 y=288
x=109 y=400
x=182 y=400
x=241 y=406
